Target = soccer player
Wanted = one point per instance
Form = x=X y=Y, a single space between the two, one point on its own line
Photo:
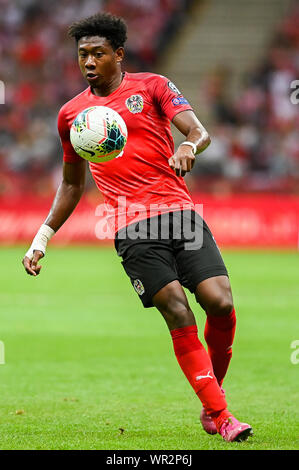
x=149 y=172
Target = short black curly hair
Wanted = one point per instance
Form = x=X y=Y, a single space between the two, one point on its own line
x=105 y=25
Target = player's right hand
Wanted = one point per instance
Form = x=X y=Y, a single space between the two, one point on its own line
x=31 y=265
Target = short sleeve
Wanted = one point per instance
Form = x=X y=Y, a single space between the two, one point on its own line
x=169 y=98
x=69 y=154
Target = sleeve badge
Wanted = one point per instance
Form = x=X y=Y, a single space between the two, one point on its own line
x=174 y=88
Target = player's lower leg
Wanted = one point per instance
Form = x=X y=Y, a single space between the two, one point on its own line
x=215 y=297
x=197 y=367
x=193 y=359
x=219 y=335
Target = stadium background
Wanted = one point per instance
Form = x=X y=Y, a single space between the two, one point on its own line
x=235 y=62
x=237 y=76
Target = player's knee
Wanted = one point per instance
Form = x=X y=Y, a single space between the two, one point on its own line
x=181 y=316
x=172 y=302
x=177 y=314
x=220 y=306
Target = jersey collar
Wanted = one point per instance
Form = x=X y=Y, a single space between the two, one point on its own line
x=91 y=95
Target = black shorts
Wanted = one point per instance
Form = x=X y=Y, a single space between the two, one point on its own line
x=174 y=246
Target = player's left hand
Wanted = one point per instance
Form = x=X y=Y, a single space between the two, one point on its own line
x=182 y=161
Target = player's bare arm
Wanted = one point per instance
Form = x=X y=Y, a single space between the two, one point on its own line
x=184 y=158
x=68 y=194
x=67 y=197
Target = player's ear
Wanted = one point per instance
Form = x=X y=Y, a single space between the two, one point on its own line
x=120 y=53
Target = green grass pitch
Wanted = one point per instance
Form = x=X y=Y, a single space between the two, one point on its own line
x=86 y=367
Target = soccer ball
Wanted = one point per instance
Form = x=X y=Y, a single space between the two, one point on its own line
x=98 y=134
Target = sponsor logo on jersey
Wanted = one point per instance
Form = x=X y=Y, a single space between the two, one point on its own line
x=173 y=88
x=138 y=286
x=135 y=104
x=179 y=100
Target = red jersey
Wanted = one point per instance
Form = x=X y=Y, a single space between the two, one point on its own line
x=139 y=180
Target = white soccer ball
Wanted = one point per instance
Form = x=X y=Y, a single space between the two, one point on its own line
x=98 y=134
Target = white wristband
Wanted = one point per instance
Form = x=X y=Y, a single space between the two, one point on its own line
x=40 y=240
x=192 y=144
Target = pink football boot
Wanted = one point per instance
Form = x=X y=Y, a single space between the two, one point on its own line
x=232 y=430
x=206 y=420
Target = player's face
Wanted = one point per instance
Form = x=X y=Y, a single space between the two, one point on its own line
x=98 y=62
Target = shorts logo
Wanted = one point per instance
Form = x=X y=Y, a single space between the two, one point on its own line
x=138 y=286
x=173 y=88
x=179 y=100
x=135 y=104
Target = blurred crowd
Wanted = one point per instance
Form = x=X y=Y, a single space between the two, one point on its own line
x=38 y=66
x=255 y=137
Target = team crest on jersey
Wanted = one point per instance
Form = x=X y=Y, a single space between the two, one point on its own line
x=135 y=104
x=138 y=286
x=173 y=88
